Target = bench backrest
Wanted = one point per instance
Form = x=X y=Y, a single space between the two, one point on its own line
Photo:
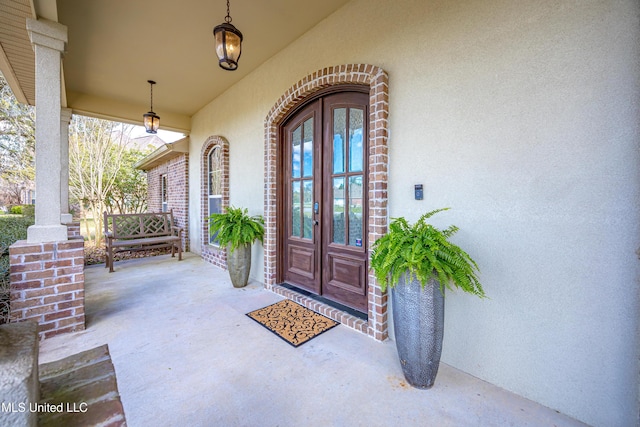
x=132 y=226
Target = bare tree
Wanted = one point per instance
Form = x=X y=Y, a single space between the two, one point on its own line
x=129 y=192
x=96 y=150
x=17 y=146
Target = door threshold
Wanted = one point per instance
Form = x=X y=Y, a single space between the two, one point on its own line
x=347 y=319
x=336 y=305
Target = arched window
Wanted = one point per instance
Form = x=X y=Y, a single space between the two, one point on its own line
x=214 y=188
x=214 y=168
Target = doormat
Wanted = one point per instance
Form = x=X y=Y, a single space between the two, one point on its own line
x=292 y=322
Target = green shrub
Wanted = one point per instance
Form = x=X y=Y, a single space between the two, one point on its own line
x=12 y=229
x=26 y=210
x=29 y=210
x=16 y=210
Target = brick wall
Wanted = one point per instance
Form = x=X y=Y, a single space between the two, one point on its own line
x=154 y=188
x=73 y=230
x=178 y=194
x=210 y=253
x=47 y=285
x=378 y=82
x=177 y=171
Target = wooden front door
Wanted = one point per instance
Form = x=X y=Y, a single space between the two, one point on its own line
x=324 y=206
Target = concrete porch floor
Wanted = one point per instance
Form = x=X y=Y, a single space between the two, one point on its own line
x=185 y=354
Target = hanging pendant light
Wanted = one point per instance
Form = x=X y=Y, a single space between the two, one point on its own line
x=151 y=119
x=228 y=43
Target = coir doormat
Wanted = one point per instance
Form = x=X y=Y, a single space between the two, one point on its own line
x=292 y=322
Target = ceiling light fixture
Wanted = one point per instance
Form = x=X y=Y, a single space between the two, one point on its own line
x=151 y=119
x=228 y=43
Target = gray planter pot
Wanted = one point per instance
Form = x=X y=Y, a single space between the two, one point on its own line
x=239 y=265
x=418 y=323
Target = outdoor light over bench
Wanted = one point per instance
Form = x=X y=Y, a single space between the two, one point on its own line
x=228 y=43
x=151 y=119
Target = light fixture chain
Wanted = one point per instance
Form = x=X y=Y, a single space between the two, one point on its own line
x=227 y=18
x=151 y=96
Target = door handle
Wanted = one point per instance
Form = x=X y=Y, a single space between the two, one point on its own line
x=316 y=210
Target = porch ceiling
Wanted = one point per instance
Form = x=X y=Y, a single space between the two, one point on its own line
x=115 y=46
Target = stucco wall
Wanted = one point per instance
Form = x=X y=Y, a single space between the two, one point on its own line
x=522 y=117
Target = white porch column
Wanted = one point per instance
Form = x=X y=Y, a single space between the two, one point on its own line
x=65 y=119
x=48 y=39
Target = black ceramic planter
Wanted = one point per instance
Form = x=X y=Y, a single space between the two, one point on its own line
x=418 y=322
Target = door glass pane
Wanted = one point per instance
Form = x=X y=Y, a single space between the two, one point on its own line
x=307 y=188
x=339 y=132
x=355 y=140
x=308 y=148
x=338 y=211
x=295 y=209
x=295 y=152
x=355 y=210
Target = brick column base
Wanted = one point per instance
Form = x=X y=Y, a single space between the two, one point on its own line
x=73 y=230
x=47 y=285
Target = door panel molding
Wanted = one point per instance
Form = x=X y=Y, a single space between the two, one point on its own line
x=301 y=261
x=342 y=269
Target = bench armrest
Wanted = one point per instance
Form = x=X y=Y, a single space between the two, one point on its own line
x=177 y=229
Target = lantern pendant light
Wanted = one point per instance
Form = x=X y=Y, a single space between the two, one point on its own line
x=228 y=43
x=151 y=119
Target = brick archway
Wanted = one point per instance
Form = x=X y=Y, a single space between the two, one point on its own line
x=213 y=254
x=377 y=80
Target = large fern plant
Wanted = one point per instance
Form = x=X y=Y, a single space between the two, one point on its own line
x=424 y=252
x=236 y=227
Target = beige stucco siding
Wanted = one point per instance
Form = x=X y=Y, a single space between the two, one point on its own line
x=522 y=117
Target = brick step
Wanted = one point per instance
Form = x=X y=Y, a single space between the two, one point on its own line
x=84 y=386
x=80 y=390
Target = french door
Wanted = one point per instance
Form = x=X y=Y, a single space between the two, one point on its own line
x=324 y=198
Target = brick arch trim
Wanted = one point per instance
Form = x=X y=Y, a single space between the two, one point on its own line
x=214 y=255
x=377 y=80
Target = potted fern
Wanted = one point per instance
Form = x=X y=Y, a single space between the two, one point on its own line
x=418 y=262
x=236 y=230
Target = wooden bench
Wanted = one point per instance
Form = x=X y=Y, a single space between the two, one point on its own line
x=134 y=232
